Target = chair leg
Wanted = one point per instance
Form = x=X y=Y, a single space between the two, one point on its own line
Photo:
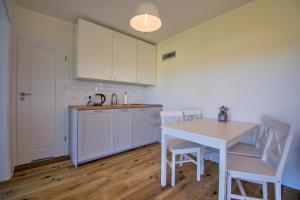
x=229 y=186
x=278 y=190
x=173 y=169
x=181 y=159
x=202 y=161
x=198 y=165
x=265 y=190
x=240 y=186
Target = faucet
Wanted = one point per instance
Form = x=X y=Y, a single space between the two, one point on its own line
x=114 y=99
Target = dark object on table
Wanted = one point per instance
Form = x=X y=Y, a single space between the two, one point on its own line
x=222 y=117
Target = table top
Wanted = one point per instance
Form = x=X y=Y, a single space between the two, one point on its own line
x=213 y=129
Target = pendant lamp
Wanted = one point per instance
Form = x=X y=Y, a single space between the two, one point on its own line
x=146 y=18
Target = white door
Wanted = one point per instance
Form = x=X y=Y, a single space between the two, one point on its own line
x=95 y=134
x=140 y=121
x=123 y=127
x=124 y=58
x=40 y=103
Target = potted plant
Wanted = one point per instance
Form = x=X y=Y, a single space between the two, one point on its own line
x=223 y=114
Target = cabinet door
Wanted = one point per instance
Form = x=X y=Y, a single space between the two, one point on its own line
x=123 y=129
x=155 y=132
x=146 y=67
x=94 y=51
x=140 y=123
x=154 y=125
x=95 y=134
x=124 y=58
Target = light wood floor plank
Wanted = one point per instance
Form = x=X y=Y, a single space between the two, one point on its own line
x=132 y=175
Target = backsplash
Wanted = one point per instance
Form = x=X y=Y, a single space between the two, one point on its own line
x=78 y=91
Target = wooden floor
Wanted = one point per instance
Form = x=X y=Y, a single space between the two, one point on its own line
x=130 y=175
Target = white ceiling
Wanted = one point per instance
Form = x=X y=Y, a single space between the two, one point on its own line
x=177 y=15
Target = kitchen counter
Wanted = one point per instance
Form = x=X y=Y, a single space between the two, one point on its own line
x=121 y=106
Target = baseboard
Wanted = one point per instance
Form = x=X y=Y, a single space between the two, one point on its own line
x=42 y=163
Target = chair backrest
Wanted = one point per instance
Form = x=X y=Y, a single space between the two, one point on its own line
x=168 y=117
x=280 y=136
x=190 y=115
x=263 y=136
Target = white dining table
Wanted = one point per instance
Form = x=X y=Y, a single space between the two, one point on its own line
x=210 y=133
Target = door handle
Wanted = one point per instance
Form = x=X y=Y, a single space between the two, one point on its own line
x=25 y=94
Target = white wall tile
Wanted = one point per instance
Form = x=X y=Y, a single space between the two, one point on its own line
x=78 y=91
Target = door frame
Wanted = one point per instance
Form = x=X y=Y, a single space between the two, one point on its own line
x=60 y=91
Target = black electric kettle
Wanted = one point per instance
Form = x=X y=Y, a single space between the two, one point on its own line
x=99 y=99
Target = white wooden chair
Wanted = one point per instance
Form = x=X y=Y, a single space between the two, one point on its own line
x=180 y=147
x=269 y=168
x=189 y=115
x=256 y=150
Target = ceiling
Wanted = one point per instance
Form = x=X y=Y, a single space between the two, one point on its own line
x=176 y=15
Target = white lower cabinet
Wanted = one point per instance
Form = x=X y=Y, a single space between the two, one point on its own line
x=140 y=130
x=154 y=125
x=95 y=134
x=123 y=129
x=98 y=133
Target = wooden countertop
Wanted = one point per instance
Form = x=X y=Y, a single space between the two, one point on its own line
x=121 y=106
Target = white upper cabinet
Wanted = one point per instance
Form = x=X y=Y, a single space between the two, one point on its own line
x=124 y=58
x=94 y=51
x=103 y=54
x=146 y=67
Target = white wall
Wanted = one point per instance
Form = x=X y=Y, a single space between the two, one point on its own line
x=5 y=156
x=38 y=25
x=247 y=59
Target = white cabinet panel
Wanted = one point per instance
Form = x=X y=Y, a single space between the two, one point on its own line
x=93 y=50
x=123 y=128
x=95 y=134
x=146 y=67
x=154 y=133
x=140 y=121
x=124 y=58
x=154 y=124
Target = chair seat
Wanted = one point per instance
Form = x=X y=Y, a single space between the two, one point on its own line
x=178 y=144
x=245 y=150
x=250 y=166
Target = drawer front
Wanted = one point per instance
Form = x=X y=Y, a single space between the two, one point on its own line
x=155 y=111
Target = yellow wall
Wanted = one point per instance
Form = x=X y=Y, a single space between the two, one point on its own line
x=247 y=59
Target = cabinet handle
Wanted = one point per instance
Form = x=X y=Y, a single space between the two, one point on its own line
x=96 y=111
x=124 y=110
x=155 y=115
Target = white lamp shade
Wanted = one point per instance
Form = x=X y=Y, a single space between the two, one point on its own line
x=146 y=18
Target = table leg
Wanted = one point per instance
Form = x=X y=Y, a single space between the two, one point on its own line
x=222 y=172
x=163 y=159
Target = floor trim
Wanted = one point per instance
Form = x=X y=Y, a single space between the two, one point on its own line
x=42 y=163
